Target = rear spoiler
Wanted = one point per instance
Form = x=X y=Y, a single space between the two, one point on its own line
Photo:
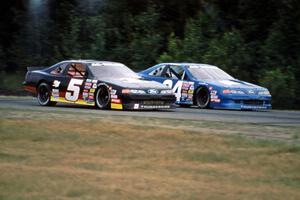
x=35 y=68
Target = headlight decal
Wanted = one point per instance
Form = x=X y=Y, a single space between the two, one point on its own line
x=166 y=92
x=133 y=91
x=229 y=91
x=264 y=92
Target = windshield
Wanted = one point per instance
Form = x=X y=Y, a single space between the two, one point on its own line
x=209 y=73
x=100 y=70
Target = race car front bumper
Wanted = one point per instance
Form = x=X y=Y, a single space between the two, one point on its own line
x=244 y=103
x=148 y=102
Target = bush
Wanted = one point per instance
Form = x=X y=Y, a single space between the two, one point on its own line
x=230 y=53
x=282 y=86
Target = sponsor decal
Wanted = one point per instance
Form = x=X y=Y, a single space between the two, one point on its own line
x=116 y=106
x=91 y=97
x=94 y=81
x=88 y=84
x=214 y=96
x=213 y=92
x=184 y=95
x=88 y=80
x=113 y=96
x=86 y=98
x=55 y=94
x=155 y=106
x=191 y=91
x=94 y=86
x=215 y=100
x=152 y=91
x=55 y=91
x=85 y=91
x=115 y=100
x=56 y=83
x=185 y=88
x=136 y=106
x=184 y=91
x=253 y=107
x=113 y=91
x=92 y=90
x=180 y=87
x=91 y=94
x=85 y=94
x=87 y=87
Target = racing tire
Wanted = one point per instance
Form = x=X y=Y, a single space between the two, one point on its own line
x=102 y=98
x=44 y=95
x=202 y=98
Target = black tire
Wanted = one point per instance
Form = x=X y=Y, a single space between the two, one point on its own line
x=44 y=94
x=102 y=97
x=202 y=98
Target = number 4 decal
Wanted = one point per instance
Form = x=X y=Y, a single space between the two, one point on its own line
x=176 y=89
x=73 y=90
x=168 y=83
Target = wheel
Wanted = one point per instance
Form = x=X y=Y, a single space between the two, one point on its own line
x=202 y=97
x=44 y=94
x=102 y=97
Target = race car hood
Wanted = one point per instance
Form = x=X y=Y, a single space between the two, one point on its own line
x=234 y=84
x=135 y=83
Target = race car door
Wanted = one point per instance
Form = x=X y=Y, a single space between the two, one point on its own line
x=74 y=85
x=174 y=77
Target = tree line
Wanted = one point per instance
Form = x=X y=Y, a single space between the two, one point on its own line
x=255 y=41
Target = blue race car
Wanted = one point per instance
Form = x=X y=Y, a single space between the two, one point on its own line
x=208 y=86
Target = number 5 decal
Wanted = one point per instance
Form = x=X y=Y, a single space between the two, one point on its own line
x=73 y=90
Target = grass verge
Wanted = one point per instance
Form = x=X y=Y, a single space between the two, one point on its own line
x=67 y=156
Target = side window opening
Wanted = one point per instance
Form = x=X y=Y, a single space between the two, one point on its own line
x=59 y=70
x=157 y=72
x=177 y=72
x=77 y=70
x=168 y=73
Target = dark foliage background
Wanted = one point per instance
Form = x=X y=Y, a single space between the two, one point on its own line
x=256 y=41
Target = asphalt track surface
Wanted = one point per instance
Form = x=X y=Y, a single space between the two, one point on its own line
x=272 y=117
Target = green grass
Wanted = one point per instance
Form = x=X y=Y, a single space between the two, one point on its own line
x=61 y=155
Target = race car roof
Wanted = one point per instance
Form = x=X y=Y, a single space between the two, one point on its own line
x=196 y=65
x=95 y=61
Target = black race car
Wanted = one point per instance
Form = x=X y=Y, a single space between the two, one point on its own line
x=96 y=83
